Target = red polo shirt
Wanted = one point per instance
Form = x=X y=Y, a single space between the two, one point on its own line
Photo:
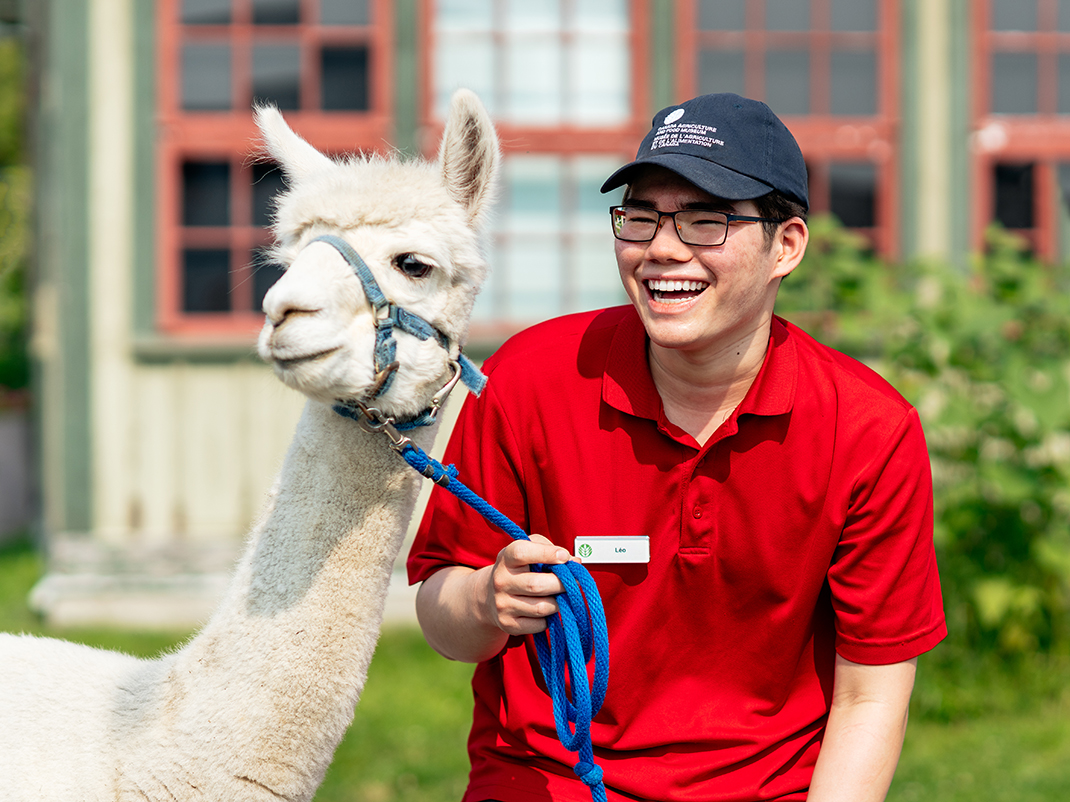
x=802 y=528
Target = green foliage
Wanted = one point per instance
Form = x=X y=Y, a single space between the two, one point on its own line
x=15 y=202
x=985 y=357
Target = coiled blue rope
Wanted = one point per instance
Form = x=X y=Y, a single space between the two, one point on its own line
x=576 y=633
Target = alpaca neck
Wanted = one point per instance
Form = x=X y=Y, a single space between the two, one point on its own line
x=288 y=650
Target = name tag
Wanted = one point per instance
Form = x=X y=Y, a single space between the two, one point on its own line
x=613 y=549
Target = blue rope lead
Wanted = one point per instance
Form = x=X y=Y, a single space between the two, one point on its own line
x=572 y=636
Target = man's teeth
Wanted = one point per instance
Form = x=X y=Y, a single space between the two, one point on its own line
x=664 y=285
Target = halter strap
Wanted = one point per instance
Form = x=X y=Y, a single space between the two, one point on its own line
x=388 y=316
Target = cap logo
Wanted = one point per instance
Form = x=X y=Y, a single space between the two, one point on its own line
x=673 y=134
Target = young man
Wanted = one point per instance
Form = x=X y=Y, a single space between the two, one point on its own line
x=765 y=648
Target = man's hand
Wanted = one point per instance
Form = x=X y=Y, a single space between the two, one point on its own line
x=519 y=600
x=469 y=615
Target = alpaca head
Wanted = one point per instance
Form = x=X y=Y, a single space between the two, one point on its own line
x=417 y=226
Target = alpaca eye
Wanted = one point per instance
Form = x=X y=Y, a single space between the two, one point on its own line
x=411 y=266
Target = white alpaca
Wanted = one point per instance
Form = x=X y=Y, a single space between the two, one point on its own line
x=254 y=706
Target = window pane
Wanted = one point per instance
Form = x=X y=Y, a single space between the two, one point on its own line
x=533 y=80
x=206 y=194
x=206 y=280
x=721 y=71
x=533 y=267
x=277 y=75
x=722 y=15
x=854 y=83
x=1014 y=195
x=852 y=193
x=464 y=14
x=268 y=182
x=787 y=82
x=598 y=81
x=1014 y=83
x=524 y=15
x=854 y=15
x=1014 y=15
x=265 y=273
x=205 y=77
x=1064 y=84
x=787 y=15
x=465 y=61
x=276 y=12
x=205 y=12
x=344 y=12
x=599 y=15
x=344 y=79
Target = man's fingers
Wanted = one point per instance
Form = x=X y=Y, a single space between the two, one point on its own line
x=522 y=553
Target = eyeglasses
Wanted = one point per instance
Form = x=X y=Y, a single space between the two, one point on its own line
x=695 y=226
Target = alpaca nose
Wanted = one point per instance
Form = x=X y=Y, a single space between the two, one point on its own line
x=287 y=299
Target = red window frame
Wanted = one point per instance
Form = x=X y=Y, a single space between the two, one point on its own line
x=230 y=136
x=1041 y=139
x=824 y=138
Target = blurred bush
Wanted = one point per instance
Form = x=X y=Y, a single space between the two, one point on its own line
x=15 y=205
x=984 y=355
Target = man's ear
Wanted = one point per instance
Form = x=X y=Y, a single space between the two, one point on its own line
x=790 y=246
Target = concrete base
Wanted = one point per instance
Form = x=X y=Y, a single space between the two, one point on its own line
x=160 y=587
x=183 y=601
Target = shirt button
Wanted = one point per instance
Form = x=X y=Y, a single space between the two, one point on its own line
x=697 y=512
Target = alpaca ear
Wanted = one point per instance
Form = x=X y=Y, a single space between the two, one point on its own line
x=296 y=156
x=469 y=155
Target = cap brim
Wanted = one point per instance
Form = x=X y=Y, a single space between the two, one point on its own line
x=715 y=179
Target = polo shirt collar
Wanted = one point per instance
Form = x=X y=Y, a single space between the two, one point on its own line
x=628 y=386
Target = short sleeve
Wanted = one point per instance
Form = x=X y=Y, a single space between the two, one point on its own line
x=883 y=578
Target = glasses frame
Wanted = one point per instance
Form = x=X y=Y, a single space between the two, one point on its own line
x=729 y=218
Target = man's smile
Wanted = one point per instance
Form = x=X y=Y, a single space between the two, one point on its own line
x=666 y=291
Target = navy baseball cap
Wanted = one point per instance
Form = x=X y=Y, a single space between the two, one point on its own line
x=730 y=146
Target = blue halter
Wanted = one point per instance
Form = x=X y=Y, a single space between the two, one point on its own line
x=389 y=316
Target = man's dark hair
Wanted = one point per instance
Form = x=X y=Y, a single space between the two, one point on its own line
x=777 y=206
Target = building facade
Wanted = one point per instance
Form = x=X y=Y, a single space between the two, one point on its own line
x=922 y=122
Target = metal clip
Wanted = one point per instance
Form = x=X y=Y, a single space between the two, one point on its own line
x=373 y=421
x=440 y=397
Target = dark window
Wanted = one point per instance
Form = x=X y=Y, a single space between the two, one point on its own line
x=206 y=280
x=344 y=12
x=787 y=81
x=265 y=273
x=206 y=12
x=277 y=75
x=722 y=15
x=787 y=15
x=268 y=182
x=344 y=79
x=854 y=83
x=854 y=15
x=1014 y=83
x=1014 y=195
x=206 y=194
x=1014 y=15
x=276 y=12
x=206 y=77
x=721 y=71
x=852 y=194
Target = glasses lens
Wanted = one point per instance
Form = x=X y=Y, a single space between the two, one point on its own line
x=634 y=224
x=702 y=227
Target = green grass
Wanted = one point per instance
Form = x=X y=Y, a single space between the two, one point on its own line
x=979 y=729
